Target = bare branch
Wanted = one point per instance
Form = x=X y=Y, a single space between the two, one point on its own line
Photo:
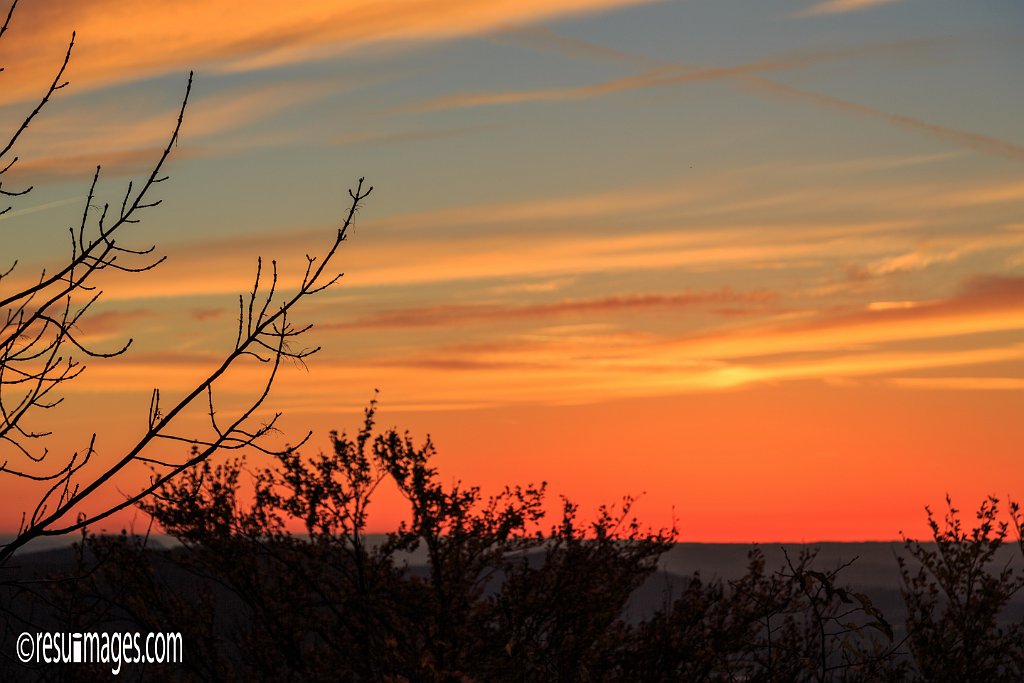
x=41 y=345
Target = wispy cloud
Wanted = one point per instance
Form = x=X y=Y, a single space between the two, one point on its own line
x=79 y=166
x=533 y=286
x=123 y=41
x=126 y=142
x=983 y=305
x=948 y=249
x=975 y=141
x=960 y=138
x=658 y=76
x=204 y=314
x=591 y=362
x=407 y=136
x=111 y=323
x=996 y=193
x=734 y=222
x=45 y=206
x=541 y=37
x=843 y=6
x=960 y=383
x=723 y=301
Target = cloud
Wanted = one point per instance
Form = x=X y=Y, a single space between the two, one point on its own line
x=539 y=36
x=843 y=7
x=965 y=139
x=947 y=249
x=891 y=305
x=204 y=314
x=994 y=287
x=658 y=76
x=984 y=304
x=124 y=141
x=595 y=365
x=719 y=222
x=45 y=206
x=405 y=137
x=96 y=327
x=960 y=383
x=726 y=301
x=974 y=141
x=987 y=194
x=81 y=166
x=654 y=77
x=633 y=202
x=430 y=255
x=559 y=376
x=494 y=256
x=586 y=363
x=125 y=40
x=533 y=287
x=598 y=232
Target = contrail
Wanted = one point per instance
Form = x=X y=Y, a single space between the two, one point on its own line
x=975 y=141
x=746 y=74
x=39 y=207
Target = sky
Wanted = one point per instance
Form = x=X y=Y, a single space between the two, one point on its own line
x=760 y=264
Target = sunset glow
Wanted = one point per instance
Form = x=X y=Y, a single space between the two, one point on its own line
x=760 y=264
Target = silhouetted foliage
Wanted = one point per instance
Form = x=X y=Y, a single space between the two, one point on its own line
x=955 y=595
x=478 y=588
x=469 y=588
x=793 y=624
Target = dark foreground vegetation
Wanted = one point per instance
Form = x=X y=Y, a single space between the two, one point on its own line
x=470 y=589
x=489 y=589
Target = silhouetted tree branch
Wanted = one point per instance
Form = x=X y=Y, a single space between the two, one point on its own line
x=41 y=351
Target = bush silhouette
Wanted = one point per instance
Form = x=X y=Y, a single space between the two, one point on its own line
x=489 y=589
x=495 y=594
x=470 y=587
x=955 y=596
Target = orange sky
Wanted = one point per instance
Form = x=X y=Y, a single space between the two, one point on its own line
x=763 y=264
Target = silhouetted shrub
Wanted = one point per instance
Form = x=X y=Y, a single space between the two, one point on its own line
x=955 y=595
x=485 y=589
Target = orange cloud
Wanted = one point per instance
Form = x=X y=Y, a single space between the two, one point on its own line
x=533 y=287
x=124 y=142
x=570 y=373
x=960 y=383
x=605 y=360
x=724 y=301
x=989 y=194
x=948 y=249
x=226 y=266
x=124 y=40
x=985 y=304
x=204 y=314
x=843 y=6
x=111 y=322
x=733 y=221
x=81 y=166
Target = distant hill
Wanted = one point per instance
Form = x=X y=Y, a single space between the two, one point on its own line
x=874 y=569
